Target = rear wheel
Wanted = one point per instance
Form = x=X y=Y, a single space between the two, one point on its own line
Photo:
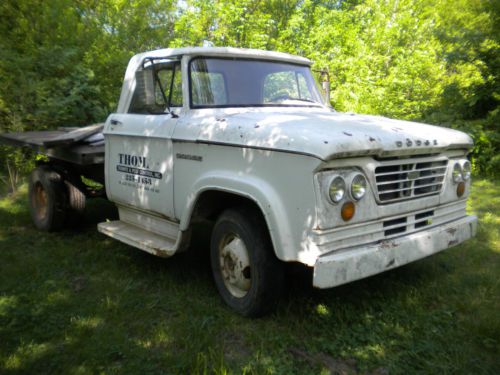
x=47 y=199
x=248 y=275
x=76 y=202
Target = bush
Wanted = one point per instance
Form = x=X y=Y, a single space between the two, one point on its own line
x=485 y=154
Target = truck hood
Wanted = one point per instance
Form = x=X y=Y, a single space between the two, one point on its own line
x=324 y=134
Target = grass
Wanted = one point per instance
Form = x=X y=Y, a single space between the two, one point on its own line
x=80 y=303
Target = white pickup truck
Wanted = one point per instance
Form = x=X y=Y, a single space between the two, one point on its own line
x=244 y=139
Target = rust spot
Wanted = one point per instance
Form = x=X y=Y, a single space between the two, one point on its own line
x=348 y=134
x=451 y=231
x=388 y=244
x=371 y=139
x=326 y=142
x=159 y=253
x=391 y=263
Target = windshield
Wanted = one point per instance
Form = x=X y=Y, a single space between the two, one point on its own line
x=216 y=83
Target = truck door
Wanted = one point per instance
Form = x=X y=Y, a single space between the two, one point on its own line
x=139 y=155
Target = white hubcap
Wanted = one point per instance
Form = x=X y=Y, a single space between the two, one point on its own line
x=235 y=265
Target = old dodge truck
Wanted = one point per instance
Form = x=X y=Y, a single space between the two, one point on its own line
x=244 y=139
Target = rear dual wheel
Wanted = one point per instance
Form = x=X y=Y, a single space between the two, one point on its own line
x=75 y=204
x=54 y=202
x=247 y=273
x=47 y=199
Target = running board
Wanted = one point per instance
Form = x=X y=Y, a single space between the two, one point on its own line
x=134 y=236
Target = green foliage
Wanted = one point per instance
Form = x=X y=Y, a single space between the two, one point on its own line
x=431 y=60
x=485 y=155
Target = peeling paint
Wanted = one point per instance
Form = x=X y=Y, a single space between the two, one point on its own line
x=387 y=244
x=451 y=231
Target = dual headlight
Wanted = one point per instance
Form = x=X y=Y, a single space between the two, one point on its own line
x=461 y=171
x=356 y=185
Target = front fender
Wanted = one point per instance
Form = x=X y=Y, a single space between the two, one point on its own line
x=259 y=191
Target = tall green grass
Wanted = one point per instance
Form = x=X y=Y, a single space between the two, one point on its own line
x=77 y=302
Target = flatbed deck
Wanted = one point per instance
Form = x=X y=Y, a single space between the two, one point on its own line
x=80 y=146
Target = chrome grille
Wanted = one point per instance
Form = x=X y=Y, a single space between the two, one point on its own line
x=405 y=179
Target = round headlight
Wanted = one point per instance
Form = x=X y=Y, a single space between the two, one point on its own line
x=466 y=170
x=337 y=189
x=358 y=187
x=457 y=173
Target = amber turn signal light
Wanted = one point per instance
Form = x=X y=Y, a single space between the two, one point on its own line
x=460 y=189
x=347 y=211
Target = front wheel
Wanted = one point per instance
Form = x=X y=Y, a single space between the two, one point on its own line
x=248 y=275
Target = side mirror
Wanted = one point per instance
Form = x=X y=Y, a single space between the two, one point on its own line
x=144 y=95
x=325 y=84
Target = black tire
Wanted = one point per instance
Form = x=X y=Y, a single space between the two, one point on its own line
x=47 y=199
x=75 y=204
x=254 y=285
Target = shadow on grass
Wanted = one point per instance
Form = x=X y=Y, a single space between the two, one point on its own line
x=79 y=302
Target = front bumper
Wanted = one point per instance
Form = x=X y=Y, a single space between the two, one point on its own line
x=362 y=261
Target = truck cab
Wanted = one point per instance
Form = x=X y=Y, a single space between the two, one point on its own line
x=243 y=138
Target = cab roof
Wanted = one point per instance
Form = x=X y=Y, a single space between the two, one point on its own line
x=224 y=52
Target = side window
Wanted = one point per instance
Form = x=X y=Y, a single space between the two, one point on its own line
x=208 y=88
x=176 y=99
x=159 y=90
x=165 y=78
x=162 y=86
